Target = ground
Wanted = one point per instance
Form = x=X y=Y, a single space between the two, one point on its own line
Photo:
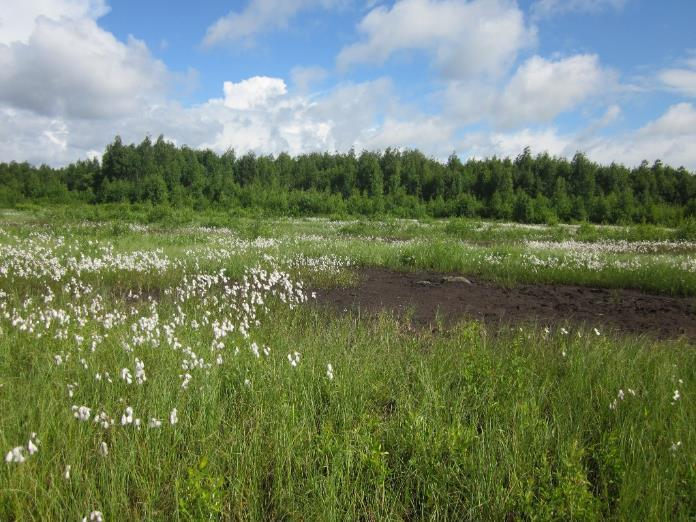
x=426 y=298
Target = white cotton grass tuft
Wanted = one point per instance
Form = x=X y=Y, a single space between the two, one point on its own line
x=81 y=413
x=294 y=359
x=31 y=447
x=329 y=372
x=15 y=455
x=127 y=417
x=66 y=473
x=94 y=516
x=173 y=417
x=140 y=377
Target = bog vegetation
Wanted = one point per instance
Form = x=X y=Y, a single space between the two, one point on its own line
x=528 y=189
x=186 y=372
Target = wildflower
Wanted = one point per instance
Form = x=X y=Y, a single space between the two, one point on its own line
x=154 y=423
x=82 y=413
x=66 y=473
x=329 y=372
x=15 y=455
x=127 y=417
x=140 y=371
x=126 y=375
x=103 y=449
x=94 y=516
x=173 y=418
x=31 y=447
x=103 y=420
x=294 y=359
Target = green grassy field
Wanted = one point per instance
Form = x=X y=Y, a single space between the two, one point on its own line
x=175 y=371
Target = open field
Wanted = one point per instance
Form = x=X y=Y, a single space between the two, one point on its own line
x=185 y=371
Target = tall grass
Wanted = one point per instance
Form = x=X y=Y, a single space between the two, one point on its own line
x=471 y=424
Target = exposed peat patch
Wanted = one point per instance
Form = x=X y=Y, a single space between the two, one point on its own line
x=425 y=295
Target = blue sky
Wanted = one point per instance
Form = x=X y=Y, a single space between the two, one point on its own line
x=615 y=79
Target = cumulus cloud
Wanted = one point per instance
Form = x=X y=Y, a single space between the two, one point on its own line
x=76 y=69
x=545 y=8
x=259 y=16
x=668 y=138
x=487 y=144
x=542 y=89
x=257 y=114
x=253 y=92
x=464 y=38
x=18 y=19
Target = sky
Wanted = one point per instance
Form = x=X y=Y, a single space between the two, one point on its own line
x=615 y=79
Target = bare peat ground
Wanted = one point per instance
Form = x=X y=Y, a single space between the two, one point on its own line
x=423 y=295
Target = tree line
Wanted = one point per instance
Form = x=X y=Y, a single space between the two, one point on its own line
x=530 y=189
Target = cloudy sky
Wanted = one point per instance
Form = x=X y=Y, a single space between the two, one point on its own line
x=613 y=78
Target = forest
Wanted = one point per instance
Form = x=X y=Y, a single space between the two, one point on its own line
x=400 y=183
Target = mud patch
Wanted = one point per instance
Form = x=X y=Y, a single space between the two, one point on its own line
x=425 y=295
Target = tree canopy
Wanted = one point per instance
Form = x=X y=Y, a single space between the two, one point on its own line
x=533 y=189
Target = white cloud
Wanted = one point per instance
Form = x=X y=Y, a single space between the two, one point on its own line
x=430 y=134
x=488 y=144
x=679 y=120
x=253 y=92
x=669 y=138
x=359 y=115
x=304 y=78
x=541 y=89
x=545 y=8
x=55 y=60
x=259 y=16
x=465 y=38
x=681 y=79
x=18 y=19
x=75 y=68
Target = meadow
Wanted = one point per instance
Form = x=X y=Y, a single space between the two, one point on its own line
x=163 y=369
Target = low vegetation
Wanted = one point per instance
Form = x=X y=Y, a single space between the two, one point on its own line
x=161 y=372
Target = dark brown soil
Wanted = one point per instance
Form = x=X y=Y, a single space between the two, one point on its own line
x=422 y=295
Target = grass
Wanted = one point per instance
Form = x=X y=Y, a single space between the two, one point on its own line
x=469 y=423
